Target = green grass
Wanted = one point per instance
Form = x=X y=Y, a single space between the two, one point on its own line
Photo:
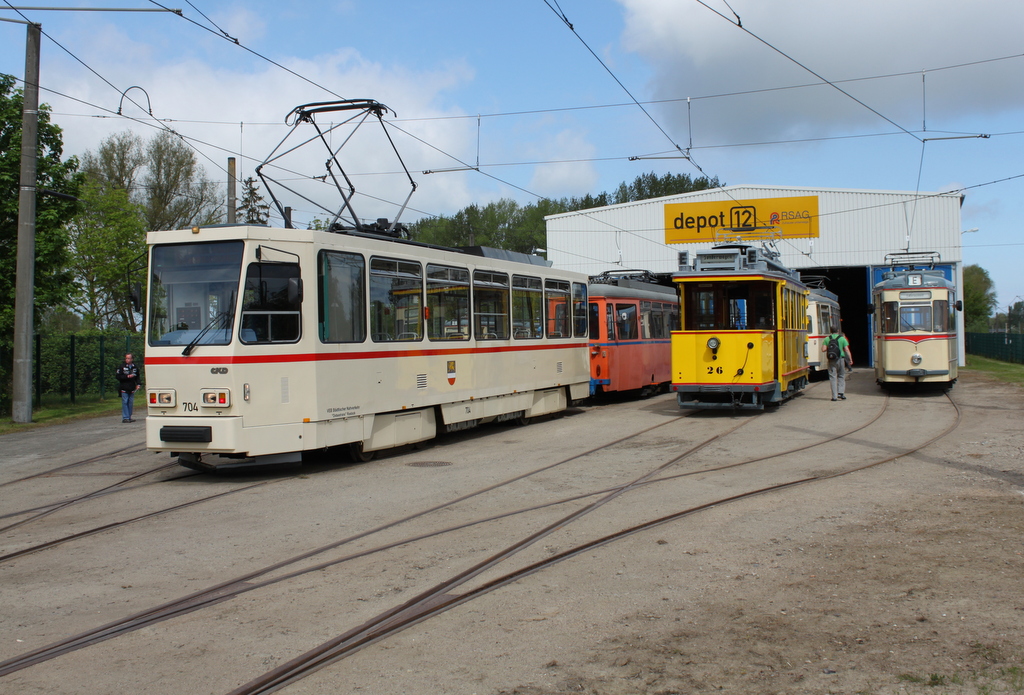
x=994 y=369
x=56 y=410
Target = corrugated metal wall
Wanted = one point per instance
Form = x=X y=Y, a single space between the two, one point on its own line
x=857 y=228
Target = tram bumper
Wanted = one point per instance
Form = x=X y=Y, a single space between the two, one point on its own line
x=206 y=434
x=725 y=396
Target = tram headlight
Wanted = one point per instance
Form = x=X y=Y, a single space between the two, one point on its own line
x=916 y=358
x=215 y=398
x=714 y=344
x=161 y=398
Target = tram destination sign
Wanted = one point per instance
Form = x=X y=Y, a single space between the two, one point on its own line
x=725 y=220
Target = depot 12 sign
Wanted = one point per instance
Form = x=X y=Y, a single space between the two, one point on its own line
x=760 y=218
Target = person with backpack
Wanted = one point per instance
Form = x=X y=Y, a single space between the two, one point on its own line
x=837 y=349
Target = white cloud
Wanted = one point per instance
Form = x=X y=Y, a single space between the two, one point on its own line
x=568 y=178
x=696 y=53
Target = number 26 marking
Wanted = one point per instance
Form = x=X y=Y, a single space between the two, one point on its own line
x=714 y=370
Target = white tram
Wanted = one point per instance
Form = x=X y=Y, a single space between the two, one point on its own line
x=915 y=327
x=822 y=316
x=263 y=343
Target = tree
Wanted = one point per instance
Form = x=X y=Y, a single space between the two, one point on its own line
x=176 y=193
x=252 y=208
x=647 y=186
x=505 y=224
x=53 y=283
x=108 y=240
x=979 y=299
x=133 y=186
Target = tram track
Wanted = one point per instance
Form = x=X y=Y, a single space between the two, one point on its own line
x=439 y=598
x=244 y=583
x=435 y=601
x=132 y=449
x=50 y=509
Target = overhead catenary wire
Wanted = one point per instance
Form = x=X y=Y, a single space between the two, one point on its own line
x=479 y=167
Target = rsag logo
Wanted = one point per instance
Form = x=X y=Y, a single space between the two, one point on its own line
x=790 y=216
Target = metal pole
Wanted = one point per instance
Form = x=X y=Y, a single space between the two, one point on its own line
x=73 y=370
x=24 y=297
x=103 y=369
x=232 y=203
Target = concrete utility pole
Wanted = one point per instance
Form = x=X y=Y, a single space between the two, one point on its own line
x=24 y=291
x=232 y=203
x=25 y=268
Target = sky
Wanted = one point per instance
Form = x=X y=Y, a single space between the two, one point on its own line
x=546 y=98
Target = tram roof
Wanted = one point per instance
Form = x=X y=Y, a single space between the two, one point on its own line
x=735 y=259
x=902 y=279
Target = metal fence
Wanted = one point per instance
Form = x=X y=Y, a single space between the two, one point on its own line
x=1008 y=347
x=71 y=365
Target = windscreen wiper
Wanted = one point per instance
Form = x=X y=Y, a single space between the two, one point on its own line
x=206 y=329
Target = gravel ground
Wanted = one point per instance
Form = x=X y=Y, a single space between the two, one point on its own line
x=904 y=578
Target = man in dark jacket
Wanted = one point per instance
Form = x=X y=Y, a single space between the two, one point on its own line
x=128 y=382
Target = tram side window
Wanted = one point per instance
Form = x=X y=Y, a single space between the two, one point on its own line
x=579 y=309
x=890 y=317
x=595 y=321
x=271 y=303
x=625 y=321
x=490 y=305
x=700 y=309
x=762 y=305
x=396 y=300
x=657 y=322
x=556 y=300
x=342 y=295
x=447 y=312
x=738 y=313
x=941 y=316
x=645 y=320
x=527 y=307
x=672 y=320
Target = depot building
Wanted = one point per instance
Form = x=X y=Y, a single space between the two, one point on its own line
x=846 y=237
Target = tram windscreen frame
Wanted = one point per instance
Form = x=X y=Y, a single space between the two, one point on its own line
x=193 y=289
x=729 y=306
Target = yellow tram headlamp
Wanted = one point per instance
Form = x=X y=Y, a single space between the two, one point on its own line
x=714 y=343
x=916 y=359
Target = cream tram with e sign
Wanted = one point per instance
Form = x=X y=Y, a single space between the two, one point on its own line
x=915 y=326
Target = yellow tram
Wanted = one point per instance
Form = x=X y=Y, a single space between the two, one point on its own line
x=743 y=342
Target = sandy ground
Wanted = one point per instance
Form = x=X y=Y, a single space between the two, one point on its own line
x=903 y=578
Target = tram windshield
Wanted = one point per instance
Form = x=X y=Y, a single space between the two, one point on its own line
x=192 y=294
x=729 y=306
x=931 y=317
